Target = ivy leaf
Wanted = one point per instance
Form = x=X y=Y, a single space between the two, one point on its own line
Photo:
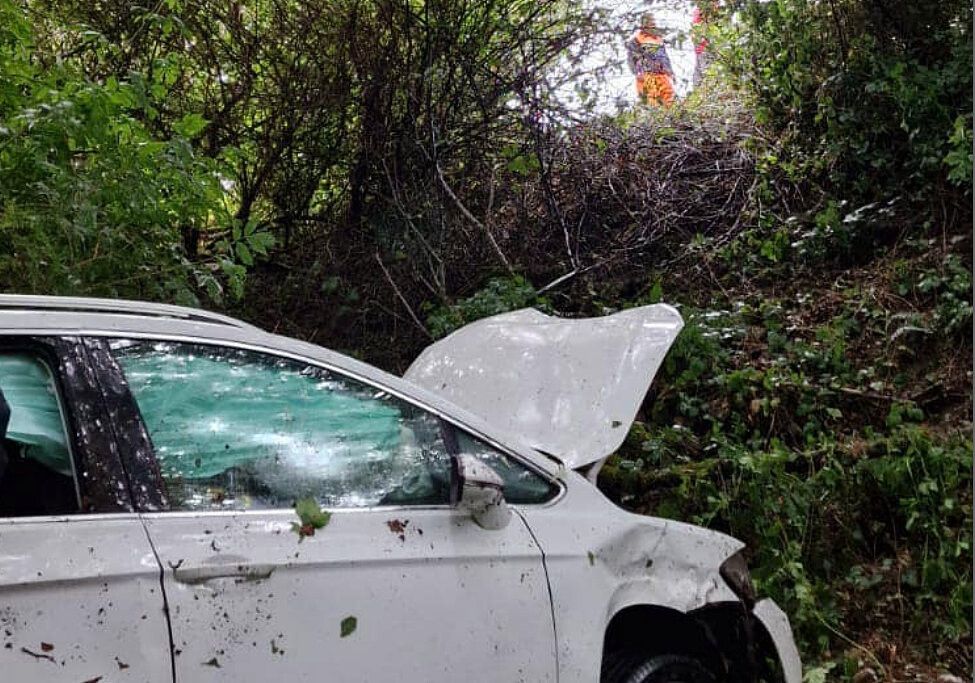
x=260 y=242
x=190 y=125
x=244 y=254
x=311 y=517
x=347 y=626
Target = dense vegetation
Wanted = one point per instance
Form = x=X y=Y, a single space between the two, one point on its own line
x=371 y=175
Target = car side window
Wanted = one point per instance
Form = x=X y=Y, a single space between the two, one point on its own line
x=521 y=485
x=235 y=429
x=36 y=471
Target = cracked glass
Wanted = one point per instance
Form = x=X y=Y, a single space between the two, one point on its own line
x=235 y=429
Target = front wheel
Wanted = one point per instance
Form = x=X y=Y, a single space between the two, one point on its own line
x=629 y=667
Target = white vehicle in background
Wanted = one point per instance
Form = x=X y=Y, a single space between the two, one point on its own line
x=163 y=474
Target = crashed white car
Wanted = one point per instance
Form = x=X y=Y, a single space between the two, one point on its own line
x=185 y=497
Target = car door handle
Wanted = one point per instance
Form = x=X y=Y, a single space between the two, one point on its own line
x=203 y=573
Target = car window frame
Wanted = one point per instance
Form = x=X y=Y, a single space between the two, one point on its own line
x=101 y=482
x=448 y=423
x=131 y=434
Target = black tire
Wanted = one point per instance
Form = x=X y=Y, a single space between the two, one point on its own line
x=631 y=667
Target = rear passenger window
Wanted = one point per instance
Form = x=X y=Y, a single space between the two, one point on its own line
x=36 y=472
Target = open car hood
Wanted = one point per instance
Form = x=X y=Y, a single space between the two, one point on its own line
x=568 y=387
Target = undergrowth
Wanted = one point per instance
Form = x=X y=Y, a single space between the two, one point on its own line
x=823 y=417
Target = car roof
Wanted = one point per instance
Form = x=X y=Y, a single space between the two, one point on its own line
x=77 y=316
x=70 y=304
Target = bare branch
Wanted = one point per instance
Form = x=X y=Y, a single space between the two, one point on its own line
x=473 y=219
x=399 y=295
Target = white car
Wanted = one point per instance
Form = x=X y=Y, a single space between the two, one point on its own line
x=185 y=497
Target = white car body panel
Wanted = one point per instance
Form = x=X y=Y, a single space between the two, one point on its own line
x=777 y=624
x=596 y=555
x=80 y=600
x=570 y=387
x=601 y=559
x=435 y=597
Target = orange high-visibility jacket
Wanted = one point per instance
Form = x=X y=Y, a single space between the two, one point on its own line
x=649 y=61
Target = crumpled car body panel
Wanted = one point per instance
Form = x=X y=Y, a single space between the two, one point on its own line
x=601 y=560
x=569 y=387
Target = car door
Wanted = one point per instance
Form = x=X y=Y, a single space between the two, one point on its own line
x=393 y=585
x=80 y=591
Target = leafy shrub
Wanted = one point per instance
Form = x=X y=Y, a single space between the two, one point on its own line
x=959 y=157
x=855 y=517
x=90 y=201
x=499 y=295
x=866 y=97
x=952 y=288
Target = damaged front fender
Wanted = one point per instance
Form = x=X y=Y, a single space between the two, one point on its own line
x=666 y=563
x=603 y=562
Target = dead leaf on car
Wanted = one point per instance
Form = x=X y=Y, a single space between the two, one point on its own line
x=398 y=527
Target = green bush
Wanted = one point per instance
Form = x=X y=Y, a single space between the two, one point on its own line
x=90 y=201
x=499 y=295
x=870 y=98
x=855 y=514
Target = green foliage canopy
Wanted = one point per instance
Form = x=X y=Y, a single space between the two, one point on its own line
x=90 y=200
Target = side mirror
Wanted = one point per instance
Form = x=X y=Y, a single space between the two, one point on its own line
x=477 y=489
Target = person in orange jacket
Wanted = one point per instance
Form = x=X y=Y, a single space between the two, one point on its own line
x=649 y=62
